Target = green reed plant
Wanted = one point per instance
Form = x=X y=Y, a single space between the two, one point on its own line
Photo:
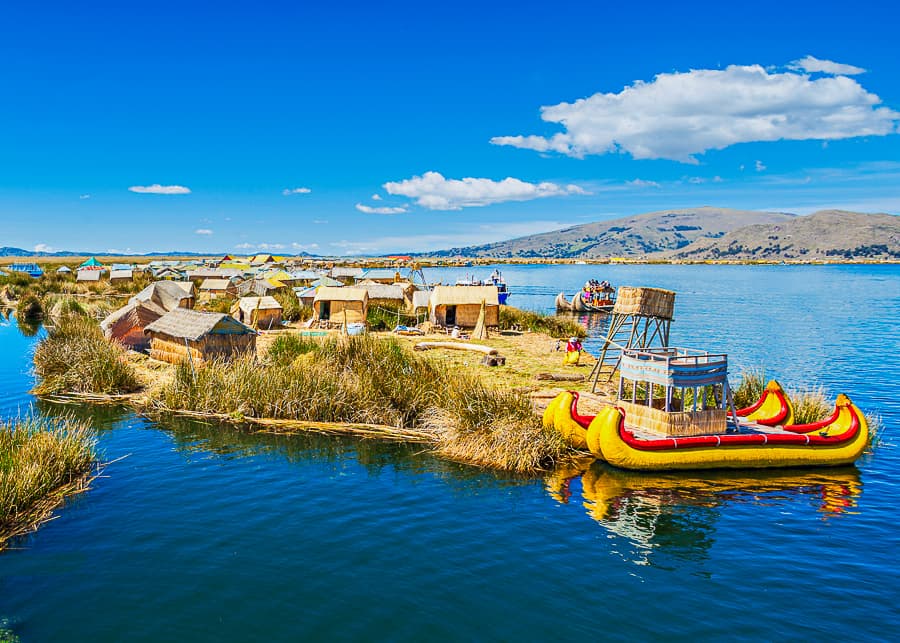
x=811 y=406
x=75 y=358
x=554 y=325
x=750 y=388
x=42 y=460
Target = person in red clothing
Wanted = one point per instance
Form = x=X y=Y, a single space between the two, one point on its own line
x=573 y=352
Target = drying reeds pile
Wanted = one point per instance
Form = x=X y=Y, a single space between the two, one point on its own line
x=553 y=325
x=76 y=358
x=42 y=460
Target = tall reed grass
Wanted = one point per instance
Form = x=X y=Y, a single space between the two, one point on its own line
x=76 y=358
x=376 y=381
x=553 y=325
x=41 y=461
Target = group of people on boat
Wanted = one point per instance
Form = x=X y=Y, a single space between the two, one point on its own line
x=597 y=293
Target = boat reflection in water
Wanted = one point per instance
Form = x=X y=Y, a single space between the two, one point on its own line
x=676 y=513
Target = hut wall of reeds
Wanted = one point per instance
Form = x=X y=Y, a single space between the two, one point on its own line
x=214 y=288
x=461 y=306
x=394 y=295
x=331 y=304
x=258 y=312
x=188 y=335
x=126 y=325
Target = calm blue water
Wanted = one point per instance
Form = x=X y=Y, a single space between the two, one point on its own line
x=205 y=533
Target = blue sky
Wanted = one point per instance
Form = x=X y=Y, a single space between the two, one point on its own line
x=355 y=128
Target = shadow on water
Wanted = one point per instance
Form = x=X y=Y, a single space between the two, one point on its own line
x=675 y=514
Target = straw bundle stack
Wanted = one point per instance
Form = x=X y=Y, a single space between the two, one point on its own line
x=647 y=302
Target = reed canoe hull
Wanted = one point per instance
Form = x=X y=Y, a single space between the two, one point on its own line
x=842 y=443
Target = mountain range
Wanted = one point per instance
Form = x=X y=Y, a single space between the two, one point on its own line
x=709 y=233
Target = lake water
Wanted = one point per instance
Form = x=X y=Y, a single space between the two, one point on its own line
x=206 y=533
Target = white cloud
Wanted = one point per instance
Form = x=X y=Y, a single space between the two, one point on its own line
x=156 y=188
x=245 y=246
x=717 y=179
x=43 y=247
x=812 y=64
x=320 y=221
x=290 y=191
x=641 y=183
x=376 y=197
x=760 y=167
x=433 y=191
x=84 y=196
x=678 y=115
x=696 y=180
x=203 y=231
x=304 y=247
x=382 y=210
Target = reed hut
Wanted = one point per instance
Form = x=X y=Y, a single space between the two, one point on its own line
x=346 y=274
x=126 y=325
x=258 y=312
x=215 y=288
x=189 y=335
x=88 y=275
x=461 y=306
x=168 y=295
x=330 y=304
x=381 y=275
x=392 y=296
x=117 y=276
x=420 y=299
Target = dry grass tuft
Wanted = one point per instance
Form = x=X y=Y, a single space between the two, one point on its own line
x=811 y=406
x=554 y=325
x=751 y=386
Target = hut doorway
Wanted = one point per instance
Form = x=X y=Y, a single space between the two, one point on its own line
x=450 y=317
x=325 y=310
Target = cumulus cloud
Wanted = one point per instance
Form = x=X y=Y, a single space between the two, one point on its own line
x=641 y=183
x=376 y=197
x=84 y=196
x=433 y=191
x=760 y=166
x=290 y=191
x=812 y=64
x=380 y=210
x=679 y=115
x=203 y=231
x=320 y=221
x=43 y=247
x=156 y=188
x=304 y=247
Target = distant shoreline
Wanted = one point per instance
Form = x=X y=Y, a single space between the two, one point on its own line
x=442 y=262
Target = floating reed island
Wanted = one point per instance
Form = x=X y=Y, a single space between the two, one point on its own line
x=373 y=385
x=42 y=462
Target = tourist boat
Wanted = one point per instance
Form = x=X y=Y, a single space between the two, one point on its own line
x=674 y=411
x=598 y=297
x=840 y=439
x=496 y=279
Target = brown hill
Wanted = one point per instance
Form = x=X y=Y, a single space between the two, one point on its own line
x=825 y=235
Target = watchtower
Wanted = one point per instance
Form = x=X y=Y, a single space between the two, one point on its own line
x=640 y=319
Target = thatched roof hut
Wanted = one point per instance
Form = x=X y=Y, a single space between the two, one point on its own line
x=461 y=305
x=420 y=299
x=184 y=334
x=391 y=295
x=217 y=288
x=258 y=312
x=331 y=303
x=168 y=295
x=126 y=325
